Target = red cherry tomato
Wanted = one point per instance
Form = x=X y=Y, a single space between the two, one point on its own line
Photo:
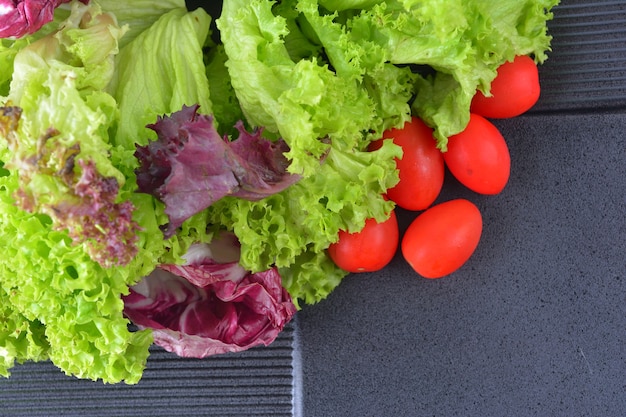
x=478 y=157
x=441 y=239
x=513 y=92
x=368 y=250
x=421 y=169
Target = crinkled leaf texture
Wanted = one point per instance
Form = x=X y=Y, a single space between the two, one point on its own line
x=59 y=304
x=206 y=307
x=373 y=44
x=190 y=166
x=283 y=82
x=464 y=42
x=63 y=163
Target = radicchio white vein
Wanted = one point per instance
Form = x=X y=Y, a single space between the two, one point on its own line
x=207 y=307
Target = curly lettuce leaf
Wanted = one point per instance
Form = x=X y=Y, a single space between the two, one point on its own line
x=8 y=50
x=21 y=340
x=69 y=303
x=302 y=102
x=311 y=277
x=463 y=42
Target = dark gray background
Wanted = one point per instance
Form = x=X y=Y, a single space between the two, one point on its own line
x=533 y=324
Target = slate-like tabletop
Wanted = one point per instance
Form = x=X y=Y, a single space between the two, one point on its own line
x=533 y=325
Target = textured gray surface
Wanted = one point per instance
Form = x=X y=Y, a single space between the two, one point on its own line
x=534 y=324
x=587 y=66
x=258 y=383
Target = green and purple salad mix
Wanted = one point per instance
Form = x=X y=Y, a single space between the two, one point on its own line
x=167 y=181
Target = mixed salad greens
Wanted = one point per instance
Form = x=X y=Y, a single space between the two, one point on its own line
x=189 y=179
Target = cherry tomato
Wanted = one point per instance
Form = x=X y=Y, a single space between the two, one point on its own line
x=368 y=250
x=421 y=169
x=514 y=90
x=478 y=157
x=442 y=238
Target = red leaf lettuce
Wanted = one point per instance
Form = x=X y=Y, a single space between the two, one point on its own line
x=190 y=166
x=79 y=198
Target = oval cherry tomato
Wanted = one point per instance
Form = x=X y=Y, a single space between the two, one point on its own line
x=368 y=250
x=442 y=238
x=421 y=169
x=513 y=92
x=478 y=157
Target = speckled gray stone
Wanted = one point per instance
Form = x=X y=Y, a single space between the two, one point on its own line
x=533 y=324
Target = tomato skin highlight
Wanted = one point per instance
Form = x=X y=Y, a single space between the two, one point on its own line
x=479 y=157
x=514 y=91
x=421 y=168
x=441 y=239
x=369 y=250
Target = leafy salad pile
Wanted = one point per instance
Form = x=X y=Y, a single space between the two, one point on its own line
x=188 y=178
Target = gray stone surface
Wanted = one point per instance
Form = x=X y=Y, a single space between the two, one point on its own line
x=533 y=324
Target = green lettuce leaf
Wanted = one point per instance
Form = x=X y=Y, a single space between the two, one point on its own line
x=348 y=4
x=460 y=44
x=8 y=50
x=302 y=102
x=138 y=15
x=311 y=277
x=327 y=114
x=158 y=72
x=59 y=303
x=21 y=340
x=464 y=43
x=226 y=109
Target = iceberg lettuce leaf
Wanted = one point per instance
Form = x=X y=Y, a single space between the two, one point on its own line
x=159 y=72
x=138 y=15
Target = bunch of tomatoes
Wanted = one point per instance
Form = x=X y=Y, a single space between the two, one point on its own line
x=443 y=236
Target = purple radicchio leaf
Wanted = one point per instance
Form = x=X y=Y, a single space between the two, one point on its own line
x=24 y=17
x=207 y=307
x=190 y=166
